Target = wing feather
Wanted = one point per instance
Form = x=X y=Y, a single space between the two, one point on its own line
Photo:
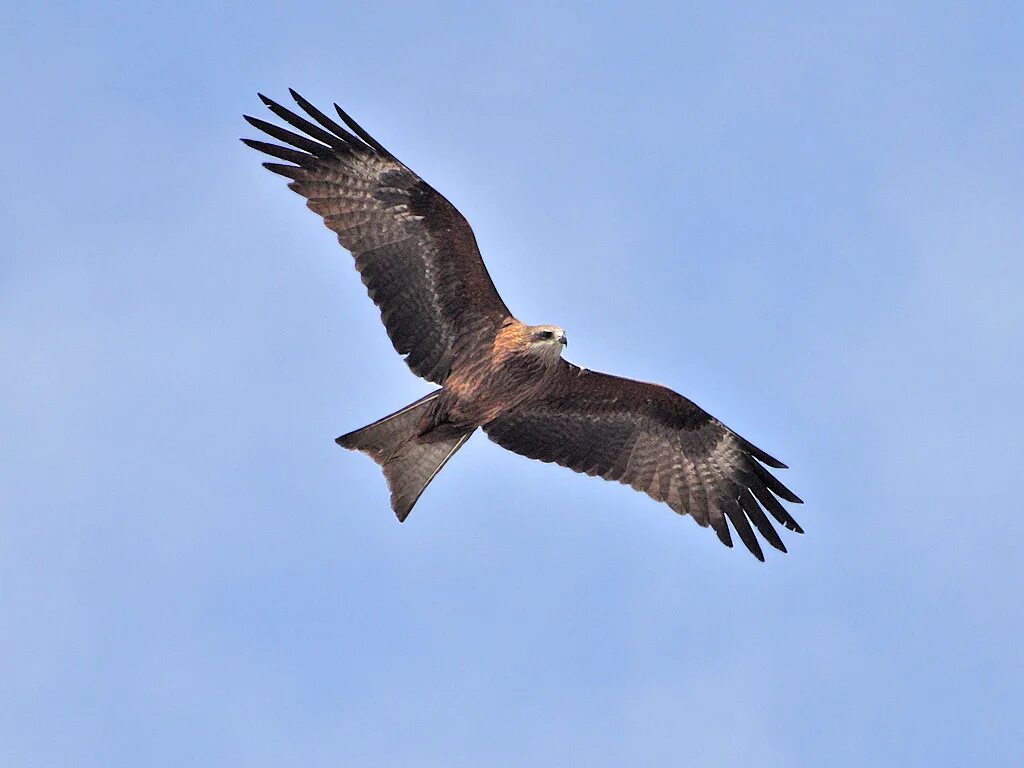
x=414 y=251
x=656 y=441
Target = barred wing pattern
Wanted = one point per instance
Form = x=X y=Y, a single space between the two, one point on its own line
x=656 y=441
x=415 y=252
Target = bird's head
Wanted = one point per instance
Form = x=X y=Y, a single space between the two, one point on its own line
x=546 y=340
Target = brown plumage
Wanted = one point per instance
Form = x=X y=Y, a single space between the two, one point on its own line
x=419 y=260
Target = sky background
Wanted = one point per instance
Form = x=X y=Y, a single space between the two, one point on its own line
x=809 y=219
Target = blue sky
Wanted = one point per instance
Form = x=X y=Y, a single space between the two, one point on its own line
x=806 y=218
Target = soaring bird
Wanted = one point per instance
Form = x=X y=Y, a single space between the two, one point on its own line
x=419 y=260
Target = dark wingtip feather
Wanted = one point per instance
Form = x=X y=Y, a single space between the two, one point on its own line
x=341 y=137
x=341 y=143
x=358 y=131
x=743 y=529
x=721 y=528
x=293 y=172
x=282 y=153
x=753 y=547
x=760 y=520
x=296 y=140
x=775 y=485
x=768 y=459
x=760 y=455
x=255 y=122
x=771 y=503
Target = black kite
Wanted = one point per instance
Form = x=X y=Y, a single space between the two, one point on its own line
x=419 y=260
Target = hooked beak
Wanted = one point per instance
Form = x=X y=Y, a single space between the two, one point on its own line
x=564 y=340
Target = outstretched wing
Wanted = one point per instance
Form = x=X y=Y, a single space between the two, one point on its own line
x=657 y=441
x=415 y=252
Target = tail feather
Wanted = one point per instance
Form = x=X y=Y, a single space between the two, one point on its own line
x=410 y=470
x=379 y=439
x=409 y=460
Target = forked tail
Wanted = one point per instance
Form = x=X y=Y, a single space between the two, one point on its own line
x=409 y=459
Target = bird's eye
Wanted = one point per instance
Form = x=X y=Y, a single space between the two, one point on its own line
x=545 y=335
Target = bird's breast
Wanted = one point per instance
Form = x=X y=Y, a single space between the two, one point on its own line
x=478 y=394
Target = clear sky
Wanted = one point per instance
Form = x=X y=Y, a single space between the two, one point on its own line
x=807 y=217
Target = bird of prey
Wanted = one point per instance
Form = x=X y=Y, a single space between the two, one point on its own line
x=418 y=258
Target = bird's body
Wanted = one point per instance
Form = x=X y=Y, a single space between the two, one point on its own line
x=419 y=260
x=516 y=371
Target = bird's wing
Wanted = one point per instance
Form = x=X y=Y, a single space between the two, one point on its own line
x=655 y=440
x=415 y=252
